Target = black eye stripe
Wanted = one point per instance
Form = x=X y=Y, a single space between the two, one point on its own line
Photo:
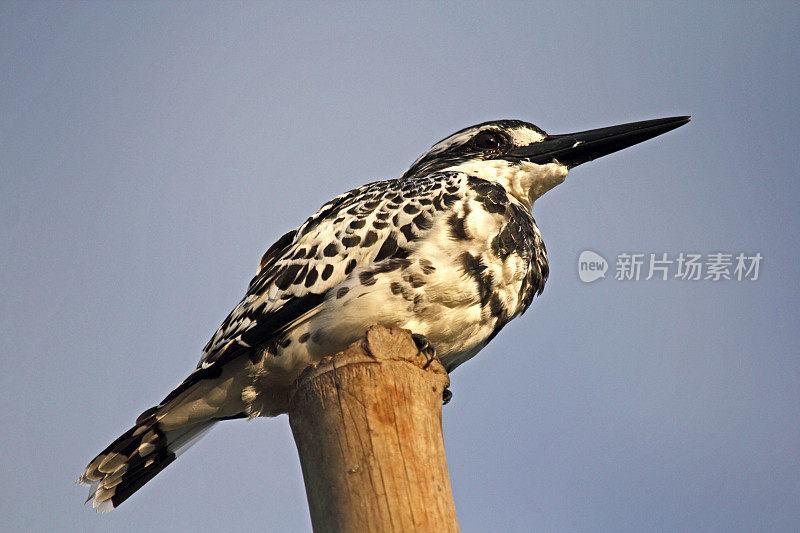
x=488 y=140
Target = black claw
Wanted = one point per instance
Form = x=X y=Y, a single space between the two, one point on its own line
x=446 y=396
x=425 y=348
x=421 y=341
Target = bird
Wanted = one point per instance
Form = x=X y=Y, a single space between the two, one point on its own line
x=449 y=250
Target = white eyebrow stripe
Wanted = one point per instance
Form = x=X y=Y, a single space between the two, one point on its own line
x=525 y=136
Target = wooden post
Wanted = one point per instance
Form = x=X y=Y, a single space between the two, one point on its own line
x=368 y=427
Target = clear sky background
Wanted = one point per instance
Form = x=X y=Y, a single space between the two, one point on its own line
x=151 y=152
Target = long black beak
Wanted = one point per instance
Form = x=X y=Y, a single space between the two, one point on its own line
x=573 y=149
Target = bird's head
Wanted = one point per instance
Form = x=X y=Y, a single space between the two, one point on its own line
x=524 y=159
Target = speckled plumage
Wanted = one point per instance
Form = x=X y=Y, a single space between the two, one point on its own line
x=408 y=252
x=449 y=250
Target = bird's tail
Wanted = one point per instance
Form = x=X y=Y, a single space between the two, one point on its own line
x=165 y=431
x=135 y=457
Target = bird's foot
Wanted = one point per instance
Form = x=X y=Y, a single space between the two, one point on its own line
x=446 y=396
x=425 y=348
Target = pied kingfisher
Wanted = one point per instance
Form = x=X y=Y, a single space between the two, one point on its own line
x=449 y=250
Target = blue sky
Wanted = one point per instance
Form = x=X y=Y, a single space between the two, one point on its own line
x=151 y=152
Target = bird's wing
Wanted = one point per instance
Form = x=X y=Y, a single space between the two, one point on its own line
x=373 y=223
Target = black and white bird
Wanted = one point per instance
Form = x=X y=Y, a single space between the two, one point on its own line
x=449 y=250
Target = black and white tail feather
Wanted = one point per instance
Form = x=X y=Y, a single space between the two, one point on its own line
x=135 y=458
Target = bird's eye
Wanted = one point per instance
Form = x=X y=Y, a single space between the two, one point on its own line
x=488 y=140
